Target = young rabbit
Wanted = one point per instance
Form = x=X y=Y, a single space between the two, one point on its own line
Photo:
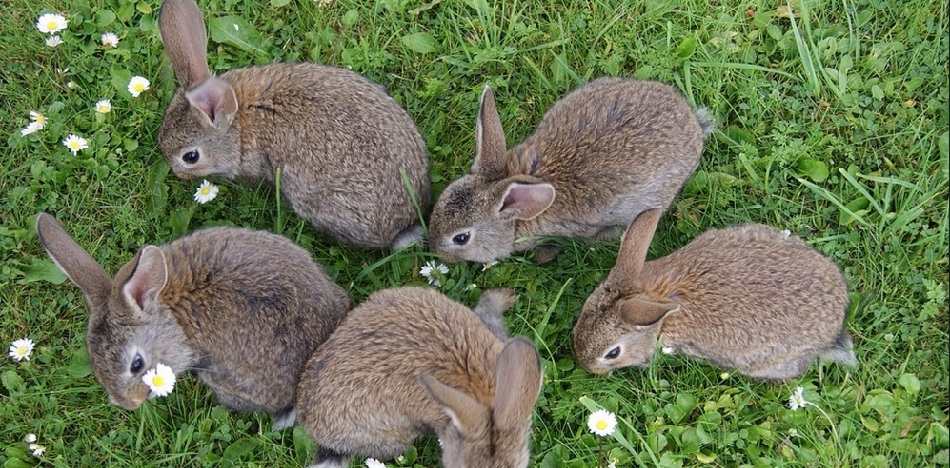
x=243 y=309
x=748 y=298
x=601 y=155
x=337 y=138
x=410 y=361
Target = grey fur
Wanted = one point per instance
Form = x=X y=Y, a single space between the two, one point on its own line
x=243 y=309
x=748 y=298
x=410 y=361
x=601 y=155
x=338 y=139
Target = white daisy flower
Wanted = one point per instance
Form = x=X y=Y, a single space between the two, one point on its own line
x=38 y=118
x=206 y=192
x=51 y=23
x=602 y=423
x=104 y=106
x=109 y=39
x=21 y=349
x=75 y=143
x=32 y=127
x=667 y=350
x=432 y=271
x=161 y=380
x=137 y=85
x=30 y=438
x=374 y=463
x=53 y=41
x=797 y=400
x=38 y=450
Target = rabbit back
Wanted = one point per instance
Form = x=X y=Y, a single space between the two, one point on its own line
x=338 y=139
x=362 y=392
x=612 y=149
x=754 y=299
x=253 y=306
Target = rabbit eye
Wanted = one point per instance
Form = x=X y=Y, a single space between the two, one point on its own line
x=137 y=364
x=613 y=353
x=461 y=239
x=190 y=157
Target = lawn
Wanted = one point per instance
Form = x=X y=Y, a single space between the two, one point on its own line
x=833 y=123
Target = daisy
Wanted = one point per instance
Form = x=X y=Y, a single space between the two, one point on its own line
x=51 y=23
x=161 y=380
x=431 y=272
x=30 y=438
x=137 y=85
x=20 y=350
x=53 y=41
x=104 y=106
x=38 y=118
x=109 y=39
x=38 y=450
x=206 y=192
x=374 y=463
x=75 y=143
x=797 y=400
x=32 y=127
x=602 y=423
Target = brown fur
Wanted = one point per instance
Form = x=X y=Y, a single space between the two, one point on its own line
x=390 y=371
x=243 y=309
x=605 y=152
x=748 y=298
x=338 y=139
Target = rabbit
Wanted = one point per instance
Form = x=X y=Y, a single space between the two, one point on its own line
x=410 y=361
x=602 y=154
x=242 y=309
x=337 y=138
x=748 y=298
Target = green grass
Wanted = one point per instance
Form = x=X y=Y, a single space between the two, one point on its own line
x=834 y=126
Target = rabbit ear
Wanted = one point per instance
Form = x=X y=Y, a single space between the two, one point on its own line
x=517 y=384
x=526 y=201
x=490 y=148
x=467 y=415
x=75 y=262
x=643 y=312
x=633 y=248
x=216 y=100
x=183 y=34
x=148 y=277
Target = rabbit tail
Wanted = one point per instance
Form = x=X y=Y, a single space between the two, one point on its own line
x=706 y=121
x=841 y=352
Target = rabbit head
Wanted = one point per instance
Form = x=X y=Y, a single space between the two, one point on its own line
x=129 y=330
x=496 y=436
x=476 y=215
x=621 y=322
x=199 y=135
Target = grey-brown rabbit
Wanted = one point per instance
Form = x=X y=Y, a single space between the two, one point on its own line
x=337 y=138
x=410 y=361
x=748 y=298
x=601 y=155
x=243 y=309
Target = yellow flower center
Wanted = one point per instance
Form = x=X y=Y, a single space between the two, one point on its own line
x=21 y=350
x=51 y=25
x=158 y=381
x=205 y=191
x=139 y=87
x=602 y=425
x=74 y=144
x=40 y=119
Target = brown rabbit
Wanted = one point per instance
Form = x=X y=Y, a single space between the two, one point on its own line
x=601 y=155
x=243 y=309
x=410 y=361
x=748 y=298
x=338 y=139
